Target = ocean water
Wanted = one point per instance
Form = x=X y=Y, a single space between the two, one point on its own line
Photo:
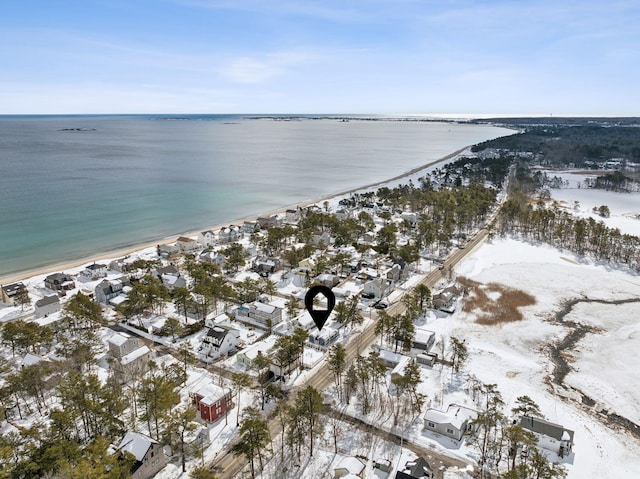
x=73 y=186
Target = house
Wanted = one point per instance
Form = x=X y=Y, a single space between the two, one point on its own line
x=307 y=265
x=324 y=338
x=423 y=339
x=9 y=292
x=266 y=315
x=247 y=355
x=168 y=250
x=187 y=245
x=551 y=437
x=348 y=466
x=324 y=239
x=399 y=368
x=170 y=277
x=213 y=257
x=418 y=469
x=46 y=306
x=107 y=289
x=59 y=282
x=444 y=301
x=249 y=227
x=454 y=423
x=219 y=341
x=328 y=280
x=130 y=358
x=230 y=234
x=393 y=274
x=94 y=271
x=149 y=454
x=267 y=222
x=292 y=216
x=265 y=264
x=207 y=238
x=212 y=401
x=377 y=287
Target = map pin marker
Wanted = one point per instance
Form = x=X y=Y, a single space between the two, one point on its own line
x=319 y=316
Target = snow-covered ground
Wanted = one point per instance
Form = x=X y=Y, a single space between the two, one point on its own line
x=624 y=207
x=515 y=357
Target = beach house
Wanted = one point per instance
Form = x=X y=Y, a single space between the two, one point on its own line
x=551 y=437
x=453 y=423
x=46 y=306
x=129 y=358
x=59 y=282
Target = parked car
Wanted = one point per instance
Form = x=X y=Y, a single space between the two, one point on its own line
x=367 y=295
x=381 y=305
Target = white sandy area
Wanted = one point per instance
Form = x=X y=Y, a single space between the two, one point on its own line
x=333 y=201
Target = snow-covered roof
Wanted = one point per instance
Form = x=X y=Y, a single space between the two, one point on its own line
x=455 y=415
x=119 y=339
x=135 y=354
x=351 y=464
x=265 y=308
x=137 y=444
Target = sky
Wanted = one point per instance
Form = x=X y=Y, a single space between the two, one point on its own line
x=447 y=57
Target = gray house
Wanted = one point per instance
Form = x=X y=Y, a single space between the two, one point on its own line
x=46 y=306
x=149 y=454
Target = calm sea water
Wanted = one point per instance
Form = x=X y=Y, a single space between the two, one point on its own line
x=66 y=194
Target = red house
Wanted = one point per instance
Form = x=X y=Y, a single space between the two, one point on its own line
x=212 y=401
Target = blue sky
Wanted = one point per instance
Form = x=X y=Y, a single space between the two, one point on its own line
x=297 y=56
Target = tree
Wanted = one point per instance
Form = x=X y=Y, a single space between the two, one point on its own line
x=181 y=298
x=181 y=421
x=336 y=360
x=459 y=353
x=261 y=364
x=241 y=381
x=202 y=472
x=347 y=311
x=83 y=313
x=525 y=406
x=307 y=408
x=22 y=297
x=235 y=256
x=254 y=438
x=173 y=327
x=292 y=307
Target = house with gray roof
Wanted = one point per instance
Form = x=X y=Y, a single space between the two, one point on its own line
x=551 y=437
x=46 y=306
x=59 y=282
x=454 y=422
x=219 y=341
x=150 y=458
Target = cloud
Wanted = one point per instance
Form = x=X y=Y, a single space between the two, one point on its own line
x=254 y=69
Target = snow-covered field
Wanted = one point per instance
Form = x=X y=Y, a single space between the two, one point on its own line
x=515 y=357
x=625 y=207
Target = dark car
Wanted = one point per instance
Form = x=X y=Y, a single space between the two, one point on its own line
x=368 y=295
x=381 y=305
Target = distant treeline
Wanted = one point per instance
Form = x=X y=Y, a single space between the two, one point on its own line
x=580 y=146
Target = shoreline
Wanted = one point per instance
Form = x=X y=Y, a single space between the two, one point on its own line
x=127 y=250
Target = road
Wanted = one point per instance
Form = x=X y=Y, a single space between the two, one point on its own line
x=227 y=465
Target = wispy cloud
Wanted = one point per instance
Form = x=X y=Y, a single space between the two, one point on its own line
x=259 y=69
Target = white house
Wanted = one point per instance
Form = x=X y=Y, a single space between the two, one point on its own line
x=95 y=271
x=207 y=238
x=187 y=245
x=230 y=234
x=454 y=423
x=551 y=437
x=377 y=287
x=247 y=355
x=219 y=341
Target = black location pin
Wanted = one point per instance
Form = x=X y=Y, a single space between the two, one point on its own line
x=319 y=316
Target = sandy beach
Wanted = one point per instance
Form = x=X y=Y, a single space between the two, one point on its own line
x=120 y=252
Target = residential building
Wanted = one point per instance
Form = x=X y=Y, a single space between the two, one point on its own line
x=418 y=469
x=230 y=234
x=130 y=358
x=454 y=422
x=59 y=282
x=247 y=355
x=211 y=401
x=148 y=452
x=187 y=245
x=94 y=271
x=266 y=315
x=207 y=238
x=423 y=340
x=46 y=306
x=551 y=437
x=219 y=341
x=267 y=222
x=377 y=287
x=9 y=292
x=109 y=289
